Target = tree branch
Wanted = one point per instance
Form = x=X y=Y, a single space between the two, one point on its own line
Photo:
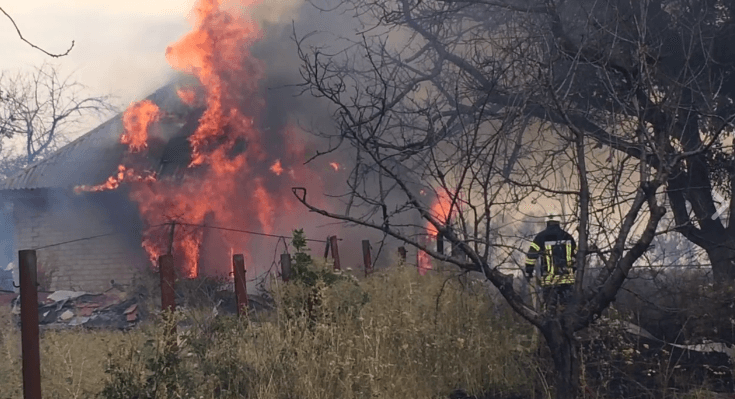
x=17 y=29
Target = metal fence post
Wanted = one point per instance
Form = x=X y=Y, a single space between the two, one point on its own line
x=29 y=324
x=335 y=252
x=326 y=248
x=285 y=267
x=402 y=255
x=168 y=277
x=241 y=288
x=366 y=257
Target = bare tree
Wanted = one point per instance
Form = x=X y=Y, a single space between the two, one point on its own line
x=611 y=107
x=662 y=68
x=38 y=112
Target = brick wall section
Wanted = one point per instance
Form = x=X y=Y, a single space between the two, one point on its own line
x=87 y=265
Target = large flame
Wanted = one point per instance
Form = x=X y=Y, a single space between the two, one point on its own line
x=216 y=49
x=229 y=180
x=216 y=52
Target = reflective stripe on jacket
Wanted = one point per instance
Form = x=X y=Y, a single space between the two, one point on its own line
x=556 y=249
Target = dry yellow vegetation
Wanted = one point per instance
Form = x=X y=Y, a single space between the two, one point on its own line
x=393 y=335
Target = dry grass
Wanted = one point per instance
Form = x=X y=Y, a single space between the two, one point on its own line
x=72 y=362
x=385 y=337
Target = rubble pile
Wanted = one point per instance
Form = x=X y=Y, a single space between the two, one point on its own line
x=112 y=309
x=117 y=310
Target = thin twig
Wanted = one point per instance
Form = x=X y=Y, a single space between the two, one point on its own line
x=17 y=29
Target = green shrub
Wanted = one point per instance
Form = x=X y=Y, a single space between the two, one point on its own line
x=148 y=370
x=310 y=282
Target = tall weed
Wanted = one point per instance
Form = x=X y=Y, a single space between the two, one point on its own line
x=393 y=335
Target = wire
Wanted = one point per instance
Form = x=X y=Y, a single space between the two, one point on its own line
x=180 y=223
x=86 y=238
x=78 y=239
x=246 y=231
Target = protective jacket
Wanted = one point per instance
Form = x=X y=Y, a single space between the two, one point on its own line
x=556 y=249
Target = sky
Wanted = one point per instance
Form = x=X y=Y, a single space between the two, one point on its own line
x=119 y=44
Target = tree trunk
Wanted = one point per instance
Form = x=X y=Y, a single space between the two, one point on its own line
x=722 y=257
x=563 y=349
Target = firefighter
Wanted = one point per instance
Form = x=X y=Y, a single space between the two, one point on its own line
x=555 y=249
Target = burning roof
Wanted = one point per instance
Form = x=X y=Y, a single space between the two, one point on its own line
x=94 y=156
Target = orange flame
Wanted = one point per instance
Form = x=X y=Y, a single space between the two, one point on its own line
x=113 y=182
x=440 y=209
x=187 y=96
x=137 y=120
x=267 y=213
x=424 y=262
x=216 y=47
x=227 y=179
x=214 y=51
x=277 y=168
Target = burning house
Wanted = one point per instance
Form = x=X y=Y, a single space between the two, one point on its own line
x=44 y=208
x=100 y=209
x=194 y=169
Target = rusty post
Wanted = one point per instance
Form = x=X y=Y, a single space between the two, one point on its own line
x=335 y=252
x=168 y=277
x=418 y=260
x=402 y=255
x=366 y=257
x=285 y=267
x=171 y=238
x=29 y=325
x=168 y=297
x=241 y=288
x=326 y=248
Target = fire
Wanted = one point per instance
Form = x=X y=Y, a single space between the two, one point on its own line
x=216 y=53
x=215 y=49
x=277 y=168
x=334 y=166
x=113 y=182
x=228 y=180
x=267 y=213
x=187 y=96
x=137 y=120
x=441 y=209
x=424 y=262
x=189 y=247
